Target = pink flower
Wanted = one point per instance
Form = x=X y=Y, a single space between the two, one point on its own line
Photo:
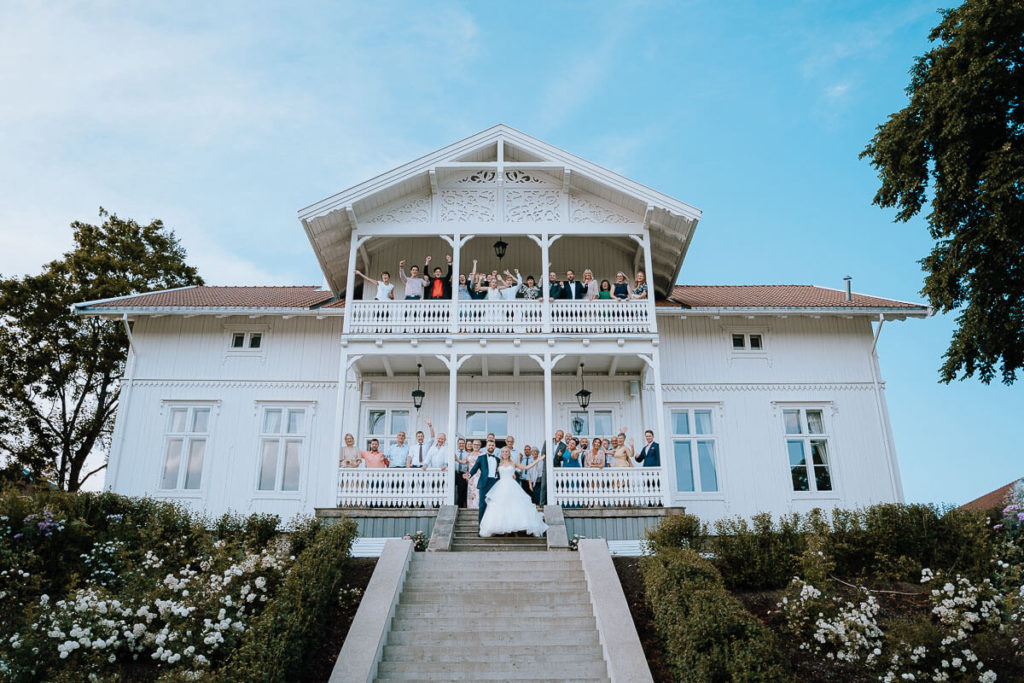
x=1020 y=516
x=997 y=527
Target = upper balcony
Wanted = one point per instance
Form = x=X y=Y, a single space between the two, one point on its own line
x=484 y=318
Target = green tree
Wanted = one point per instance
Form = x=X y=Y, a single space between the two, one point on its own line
x=960 y=142
x=59 y=372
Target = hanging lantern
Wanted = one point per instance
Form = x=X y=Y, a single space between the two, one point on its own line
x=499 y=248
x=417 y=393
x=582 y=396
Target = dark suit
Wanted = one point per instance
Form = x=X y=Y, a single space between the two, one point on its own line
x=461 y=485
x=572 y=290
x=486 y=481
x=446 y=286
x=650 y=455
x=555 y=290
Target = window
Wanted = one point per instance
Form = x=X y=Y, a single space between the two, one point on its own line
x=747 y=341
x=807 y=447
x=245 y=341
x=591 y=423
x=694 y=448
x=188 y=429
x=283 y=433
x=384 y=424
x=481 y=422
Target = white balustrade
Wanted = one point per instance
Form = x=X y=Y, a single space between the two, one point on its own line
x=587 y=317
x=483 y=317
x=518 y=316
x=392 y=488
x=609 y=487
x=399 y=317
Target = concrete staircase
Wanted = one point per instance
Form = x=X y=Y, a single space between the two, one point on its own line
x=494 y=616
x=467 y=537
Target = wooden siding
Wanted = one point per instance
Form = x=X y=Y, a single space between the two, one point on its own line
x=610 y=528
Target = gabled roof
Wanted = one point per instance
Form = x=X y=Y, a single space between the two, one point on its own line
x=329 y=222
x=780 y=297
x=204 y=298
x=994 y=499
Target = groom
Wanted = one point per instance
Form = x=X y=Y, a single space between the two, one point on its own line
x=487 y=466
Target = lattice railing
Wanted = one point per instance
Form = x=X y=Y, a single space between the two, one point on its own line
x=586 y=317
x=400 y=317
x=608 y=487
x=501 y=317
x=392 y=488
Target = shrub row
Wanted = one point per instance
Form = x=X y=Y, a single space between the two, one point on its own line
x=293 y=626
x=708 y=635
x=887 y=541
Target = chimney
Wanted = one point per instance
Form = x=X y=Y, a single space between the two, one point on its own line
x=849 y=292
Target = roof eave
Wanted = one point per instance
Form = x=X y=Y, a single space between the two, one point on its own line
x=893 y=311
x=207 y=310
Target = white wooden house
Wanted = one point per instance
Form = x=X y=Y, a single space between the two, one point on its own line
x=763 y=398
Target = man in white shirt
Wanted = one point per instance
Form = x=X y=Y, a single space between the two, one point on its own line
x=437 y=454
x=398 y=452
x=419 y=450
x=461 y=485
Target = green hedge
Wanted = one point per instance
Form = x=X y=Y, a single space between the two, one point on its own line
x=708 y=635
x=278 y=646
x=677 y=531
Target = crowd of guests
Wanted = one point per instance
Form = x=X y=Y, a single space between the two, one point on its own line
x=507 y=285
x=572 y=451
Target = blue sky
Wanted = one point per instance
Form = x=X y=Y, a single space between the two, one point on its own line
x=224 y=121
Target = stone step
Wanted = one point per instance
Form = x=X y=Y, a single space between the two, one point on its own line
x=428 y=653
x=457 y=612
x=496 y=639
x=491 y=548
x=429 y=678
x=463 y=584
x=510 y=623
x=488 y=670
x=491 y=599
x=455 y=577
x=498 y=560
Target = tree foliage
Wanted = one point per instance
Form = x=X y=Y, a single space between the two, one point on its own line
x=960 y=142
x=59 y=372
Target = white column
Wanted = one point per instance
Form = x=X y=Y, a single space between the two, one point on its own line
x=325 y=489
x=549 y=461
x=353 y=249
x=649 y=271
x=545 y=257
x=667 y=463
x=456 y=245
x=453 y=384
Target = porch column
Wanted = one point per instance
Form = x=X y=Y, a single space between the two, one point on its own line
x=456 y=242
x=667 y=464
x=545 y=241
x=549 y=461
x=651 y=309
x=453 y=363
x=326 y=493
x=355 y=241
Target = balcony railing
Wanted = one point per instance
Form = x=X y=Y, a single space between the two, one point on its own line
x=498 y=317
x=610 y=487
x=392 y=488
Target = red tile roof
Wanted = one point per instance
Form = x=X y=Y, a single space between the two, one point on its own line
x=233 y=297
x=774 y=296
x=994 y=499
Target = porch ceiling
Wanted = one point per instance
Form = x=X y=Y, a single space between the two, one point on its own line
x=497 y=365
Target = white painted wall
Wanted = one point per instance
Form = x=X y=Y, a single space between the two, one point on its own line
x=823 y=362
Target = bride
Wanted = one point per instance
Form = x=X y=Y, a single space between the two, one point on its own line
x=509 y=509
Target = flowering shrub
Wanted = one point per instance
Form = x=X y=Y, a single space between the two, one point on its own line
x=115 y=588
x=419 y=540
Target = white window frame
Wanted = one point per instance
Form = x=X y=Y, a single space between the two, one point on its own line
x=390 y=437
x=613 y=408
x=747 y=331
x=308 y=409
x=806 y=437
x=248 y=331
x=668 y=449
x=511 y=415
x=168 y=409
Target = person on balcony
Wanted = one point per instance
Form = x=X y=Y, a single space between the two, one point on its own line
x=398 y=452
x=437 y=454
x=639 y=285
x=350 y=455
x=605 y=291
x=595 y=455
x=439 y=287
x=414 y=282
x=554 y=286
x=472 y=491
x=532 y=478
x=572 y=456
x=530 y=290
x=623 y=455
x=621 y=291
x=650 y=454
x=590 y=286
x=385 y=287
x=572 y=290
x=513 y=281
x=418 y=451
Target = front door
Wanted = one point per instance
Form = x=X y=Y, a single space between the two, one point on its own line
x=477 y=422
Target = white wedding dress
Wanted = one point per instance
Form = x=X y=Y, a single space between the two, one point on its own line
x=510 y=509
